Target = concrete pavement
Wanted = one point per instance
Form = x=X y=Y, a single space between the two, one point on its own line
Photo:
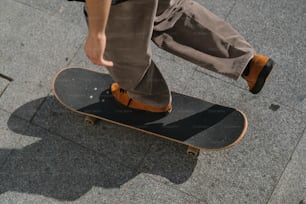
x=48 y=155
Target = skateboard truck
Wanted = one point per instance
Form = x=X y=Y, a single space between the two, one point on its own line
x=192 y=151
x=90 y=120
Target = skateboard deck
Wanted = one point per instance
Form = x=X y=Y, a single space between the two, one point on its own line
x=199 y=124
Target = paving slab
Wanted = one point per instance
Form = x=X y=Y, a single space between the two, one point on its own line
x=248 y=172
x=120 y=144
x=63 y=161
x=22 y=198
x=277 y=33
x=9 y=140
x=268 y=115
x=176 y=71
x=219 y=7
x=57 y=170
x=70 y=11
x=263 y=113
x=146 y=190
x=3 y=85
x=20 y=92
x=292 y=185
x=274 y=29
x=80 y=60
x=33 y=42
x=94 y=196
x=33 y=46
x=168 y=160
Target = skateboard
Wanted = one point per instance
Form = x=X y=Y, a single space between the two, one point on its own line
x=198 y=124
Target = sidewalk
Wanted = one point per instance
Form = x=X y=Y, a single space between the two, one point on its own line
x=48 y=155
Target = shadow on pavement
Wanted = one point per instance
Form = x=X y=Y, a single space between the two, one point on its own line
x=67 y=167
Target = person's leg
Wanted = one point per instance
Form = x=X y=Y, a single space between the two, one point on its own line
x=190 y=31
x=129 y=31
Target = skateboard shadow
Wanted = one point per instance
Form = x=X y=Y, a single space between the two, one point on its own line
x=61 y=166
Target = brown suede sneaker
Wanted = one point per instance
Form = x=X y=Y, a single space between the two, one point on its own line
x=257 y=72
x=123 y=98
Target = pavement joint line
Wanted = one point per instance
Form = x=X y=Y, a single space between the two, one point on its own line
x=270 y=99
x=38 y=108
x=59 y=135
x=8 y=80
x=287 y=106
x=212 y=76
x=239 y=87
x=175 y=188
x=64 y=138
x=125 y=190
x=6 y=77
x=282 y=174
x=6 y=86
x=5 y=160
x=186 y=84
x=30 y=6
x=277 y=182
x=79 y=144
x=75 y=54
x=30 y=122
x=1 y=109
x=137 y=171
x=230 y=11
x=138 y=167
x=46 y=12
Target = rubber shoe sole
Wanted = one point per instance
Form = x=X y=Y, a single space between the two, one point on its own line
x=263 y=76
x=122 y=97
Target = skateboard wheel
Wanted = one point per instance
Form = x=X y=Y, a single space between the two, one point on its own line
x=90 y=120
x=193 y=151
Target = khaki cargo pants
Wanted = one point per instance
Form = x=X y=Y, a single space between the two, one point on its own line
x=181 y=27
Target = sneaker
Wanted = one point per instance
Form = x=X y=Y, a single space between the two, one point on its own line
x=123 y=98
x=257 y=72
